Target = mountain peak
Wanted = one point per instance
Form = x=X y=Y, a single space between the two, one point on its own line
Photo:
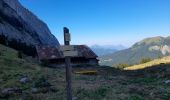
x=158 y=40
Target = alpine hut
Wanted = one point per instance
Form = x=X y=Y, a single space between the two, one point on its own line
x=54 y=56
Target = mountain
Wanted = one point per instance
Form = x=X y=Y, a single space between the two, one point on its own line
x=148 y=48
x=19 y=24
x=101 y=50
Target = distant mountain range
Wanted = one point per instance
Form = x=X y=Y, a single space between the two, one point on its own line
x=148 y=48
x=101 y=50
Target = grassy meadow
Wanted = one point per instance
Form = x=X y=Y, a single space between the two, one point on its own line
x=89 y=83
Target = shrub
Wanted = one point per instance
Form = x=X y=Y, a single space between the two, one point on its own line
x=20 y=54
x=41 y=82
x=159 y=57
x=122 y=66
x=166 y=96
x=145 y=60
x=136 y=97
x=45 y=63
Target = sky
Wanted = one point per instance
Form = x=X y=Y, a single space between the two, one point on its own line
x=104 y=22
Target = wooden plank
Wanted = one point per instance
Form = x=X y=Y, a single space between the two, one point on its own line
x=70 y=53
x=67 y=48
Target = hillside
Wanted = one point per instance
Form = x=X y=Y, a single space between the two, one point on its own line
x=24 y=79
x=164 y=60
x=148 y=48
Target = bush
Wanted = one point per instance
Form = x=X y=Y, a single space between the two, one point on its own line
x=136 y=97
x=122 y=66
x=41 y=82
x=45 y=63
x=145 y=60
x=20 y=54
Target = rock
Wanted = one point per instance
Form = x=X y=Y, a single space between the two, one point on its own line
x=9 y=91
x=42 y=82
x=53 y=89
x=1 y=80
x=19 y=24
x=168 y=70
x=34 y=90
x=44 y=90
x=167 y=82
x=74 y=98
x=24 y=80
x=41 y=90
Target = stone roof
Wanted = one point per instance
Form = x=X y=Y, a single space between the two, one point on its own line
x=49 y=52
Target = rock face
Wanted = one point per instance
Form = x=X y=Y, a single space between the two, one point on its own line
x=165 y=49
x=19 y=24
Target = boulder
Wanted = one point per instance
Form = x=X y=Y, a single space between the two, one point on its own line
x=24 y=80
x=34 y=90
x=167 y=82
x=9 y=91
x=1 y=80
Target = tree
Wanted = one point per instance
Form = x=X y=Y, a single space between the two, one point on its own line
x=122 y=66
x=20 y=54
x=3 y=39
x=145 y=60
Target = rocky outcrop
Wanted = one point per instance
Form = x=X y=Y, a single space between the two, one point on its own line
x=164 y=49
x=19 y=24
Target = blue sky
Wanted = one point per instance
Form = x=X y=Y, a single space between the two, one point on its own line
x=104 y=22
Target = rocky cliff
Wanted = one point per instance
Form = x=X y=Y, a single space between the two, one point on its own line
x=19 y=24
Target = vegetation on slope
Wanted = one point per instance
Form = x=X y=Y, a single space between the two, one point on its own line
x=107 y=84
x=164 y=60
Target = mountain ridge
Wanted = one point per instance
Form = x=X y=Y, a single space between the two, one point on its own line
x=147 y=48
x=101 y=50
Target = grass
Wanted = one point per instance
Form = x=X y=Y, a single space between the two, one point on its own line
x=146 y=81
x=166 y=96
x=107 y=84
x=96 y=94
x=161 y=61
x=136 y=97
x=13 y=68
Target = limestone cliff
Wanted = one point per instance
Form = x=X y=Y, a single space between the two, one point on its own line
x=19 y=24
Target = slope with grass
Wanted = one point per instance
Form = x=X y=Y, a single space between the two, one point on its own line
x=89 y=82
x=164 y=60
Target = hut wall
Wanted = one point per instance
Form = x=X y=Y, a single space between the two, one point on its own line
x=93 y=61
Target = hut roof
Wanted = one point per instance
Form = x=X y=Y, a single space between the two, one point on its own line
x=49 y=52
